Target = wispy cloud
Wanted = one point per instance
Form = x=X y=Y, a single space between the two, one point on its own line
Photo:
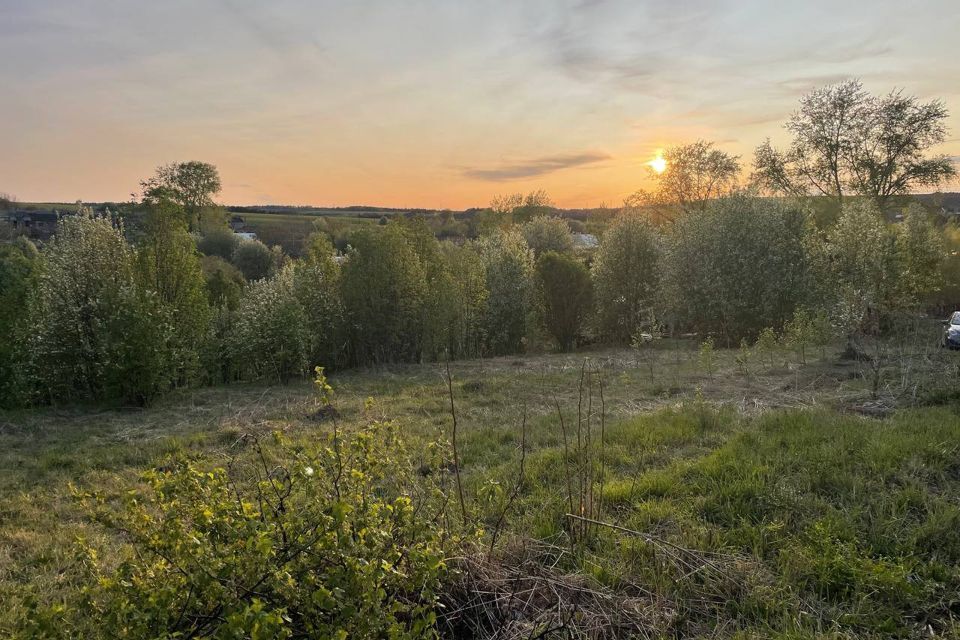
x=534 y=167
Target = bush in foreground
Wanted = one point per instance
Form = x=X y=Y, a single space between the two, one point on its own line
x=284 y=542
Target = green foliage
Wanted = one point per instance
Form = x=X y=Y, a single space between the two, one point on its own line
x=190 y=185
x=739 y=266
x=383 y=295
x=441 y=294
x=548 y=234
x=508 y=265
x=922 y=253
x=96 y=333
x=316 y=284
x=468 y=275
x=270 y=338
x=218 y=242
x=254 y=259
x=224 y=282
x=707 y=355
x=625 y=277
x=19 y=264
x=168 y=266
x=767 y=344
x=567 y=293
x=321 y=542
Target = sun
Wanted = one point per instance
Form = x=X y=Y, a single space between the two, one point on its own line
x=658 y=164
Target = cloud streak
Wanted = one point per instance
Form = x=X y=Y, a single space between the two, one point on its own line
x=535 y=167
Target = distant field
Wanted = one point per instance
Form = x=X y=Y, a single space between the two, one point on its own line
x=774 y=508
x=289 y=230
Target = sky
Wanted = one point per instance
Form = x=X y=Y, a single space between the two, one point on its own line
x=439 y=103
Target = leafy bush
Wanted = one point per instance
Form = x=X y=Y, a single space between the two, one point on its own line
x=169 y=267
x=739 y=266
x=548 y=234
x=96 y=333
x=468 y=274
x=320 y=542
x=254 y=259
x=567 y=294
x=625 y=277
x=316 y=284
x=508 y=265
x=270 y=330
x=224 y=282
x=218 y=242
x=18 y=270
x=383 y=296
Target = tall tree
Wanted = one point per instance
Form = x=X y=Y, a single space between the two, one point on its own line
x=848 y=141
x=693 y=175
x=192 y=185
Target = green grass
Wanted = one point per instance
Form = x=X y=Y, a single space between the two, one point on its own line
x=796 y=518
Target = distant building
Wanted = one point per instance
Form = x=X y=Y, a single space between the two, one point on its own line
x=35 y=224
x=950 y=206
x=585 y=241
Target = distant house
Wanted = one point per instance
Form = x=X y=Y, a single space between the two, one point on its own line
x=585 y=241
x=950 y=206
x=35 y=224
x=237 y=223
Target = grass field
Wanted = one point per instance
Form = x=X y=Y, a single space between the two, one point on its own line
x=754 y=503
x=291 y=230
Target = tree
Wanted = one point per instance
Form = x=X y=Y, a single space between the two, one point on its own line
x=168 y=265
x=439 y=305
x=316 y=284
x=848 y=141
x=567 y=295
x=694 y=174
x=218 y=242
x=224 y=282
x=548 y=234
x=192 y=185
x=625 y=277
x=254 y=259
x=96 y=334
x=468 y=274
x=270 y=332
x=19 y=263
x=922 y=252
x=383 y=290
x=742 y=265
x=508 y=266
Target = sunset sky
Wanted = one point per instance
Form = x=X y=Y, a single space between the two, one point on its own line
x=438 y=103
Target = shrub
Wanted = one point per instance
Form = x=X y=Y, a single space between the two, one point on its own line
x=739 y=266
x=18 y=271
x=168 y=266
x=441 y=298
x=320 y=542
x=468 y=275
x=254 y=259
x=508 y=266
x=224 y=282
x=547 y=234
x=96 y=334
x=270 y=331
x=567 y=295
x=625 y=277
x=218 y=242
x=316 y=284
x=383 y=295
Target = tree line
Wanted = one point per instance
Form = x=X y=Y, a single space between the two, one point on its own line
x=99 y=313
